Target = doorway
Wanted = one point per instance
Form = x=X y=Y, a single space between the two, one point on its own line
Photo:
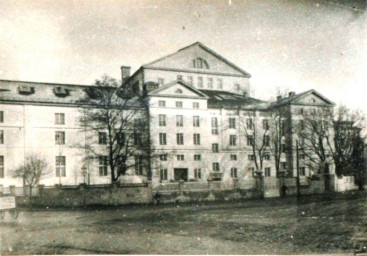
x=181 y=174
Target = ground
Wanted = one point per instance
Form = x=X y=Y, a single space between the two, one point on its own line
x=333 y=223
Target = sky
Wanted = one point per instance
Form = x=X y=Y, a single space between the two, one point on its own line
x=293 y=45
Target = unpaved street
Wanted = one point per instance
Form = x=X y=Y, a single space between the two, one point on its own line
x=317 y=224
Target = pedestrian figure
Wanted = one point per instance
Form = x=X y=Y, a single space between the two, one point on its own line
x=284 y=190
x=157 y=198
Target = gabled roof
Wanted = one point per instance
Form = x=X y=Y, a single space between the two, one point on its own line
x=297 y=97
x=191 y=88
x=218 y=99
x=206 y=49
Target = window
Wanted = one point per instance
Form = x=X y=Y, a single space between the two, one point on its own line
x=232 y=140
x=190 y=80
x=138 y=139
x=215 y=147
x=139 y=165
x=232 y=123
x=1 y=116
x=301 y=124
x=267 y=140
x=251 y=157
x=195 y=105
x=179 y=121
x=301 y=111
x=267 y=157
x=1 y=136
x=283 y=165
x=249 y=124
x=163 y=174
x=234 y=157
x=283 y=147
x=216 y=167
x=178 y=104
x=252 y=171
x=162 y=120
x=179 y=77
x=196 y=121
x=302 y=156
x=220 y=83
x=199 y=63
x=102 y=165
x=2 y=172
x=267 y=172
x=180 y=157
x=60 y=166
x=102 y=138
x=234 y=173
x=302 y=171
x=210 y=82
x=283 y=126
x=163 y=139
x=266 y=124
x=196 y=139
x=59 y=138
x=237 y=87
x=200 y=82
x=250 y=140
x=162 y=103
x=180 y=138
x=197 y=157
x=160 y=81
x=179 y=91
x=138 y=123
x=163 y=157
x=59 y=118
x=120 y=137
x=197 y=173
x=214 y=125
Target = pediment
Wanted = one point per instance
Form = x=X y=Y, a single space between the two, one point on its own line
x=178 y=89
x=313 y=98
x=197 y=57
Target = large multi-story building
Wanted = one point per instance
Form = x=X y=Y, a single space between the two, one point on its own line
x=203 y=124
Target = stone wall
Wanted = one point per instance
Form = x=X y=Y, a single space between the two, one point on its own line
x=90 y=195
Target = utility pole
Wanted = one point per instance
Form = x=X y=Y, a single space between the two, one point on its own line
x=297 y=160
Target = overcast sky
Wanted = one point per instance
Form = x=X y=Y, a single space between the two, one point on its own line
x=295 y=44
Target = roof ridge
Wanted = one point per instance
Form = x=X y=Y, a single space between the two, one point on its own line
x=45 y=83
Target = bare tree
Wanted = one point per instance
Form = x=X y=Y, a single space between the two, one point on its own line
x=279 y=129
x=257 y=137
x=118 y=118
x=32 y=171
x=315 y=132
x=348 y=144
x=347 y=137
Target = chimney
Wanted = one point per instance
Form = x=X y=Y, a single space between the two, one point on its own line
x=125 y=73
x=279 y=98
x=291 y=94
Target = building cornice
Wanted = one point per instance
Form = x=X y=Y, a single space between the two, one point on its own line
x=194 y=71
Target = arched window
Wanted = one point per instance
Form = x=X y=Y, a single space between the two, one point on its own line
x=179 y=91
x=199 y=63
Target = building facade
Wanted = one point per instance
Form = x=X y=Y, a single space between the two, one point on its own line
x=203 y=125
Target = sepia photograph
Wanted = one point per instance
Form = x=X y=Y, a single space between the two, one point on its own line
x=183 y=127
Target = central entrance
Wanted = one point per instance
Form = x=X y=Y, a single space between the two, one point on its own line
x=180 y=174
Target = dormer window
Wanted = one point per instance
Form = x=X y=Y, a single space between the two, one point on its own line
x=26 y=89
x=199 y=63
x=60 y=91
x=179 y=91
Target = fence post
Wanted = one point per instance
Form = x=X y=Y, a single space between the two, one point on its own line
x=12 y=190
x=180 y=186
